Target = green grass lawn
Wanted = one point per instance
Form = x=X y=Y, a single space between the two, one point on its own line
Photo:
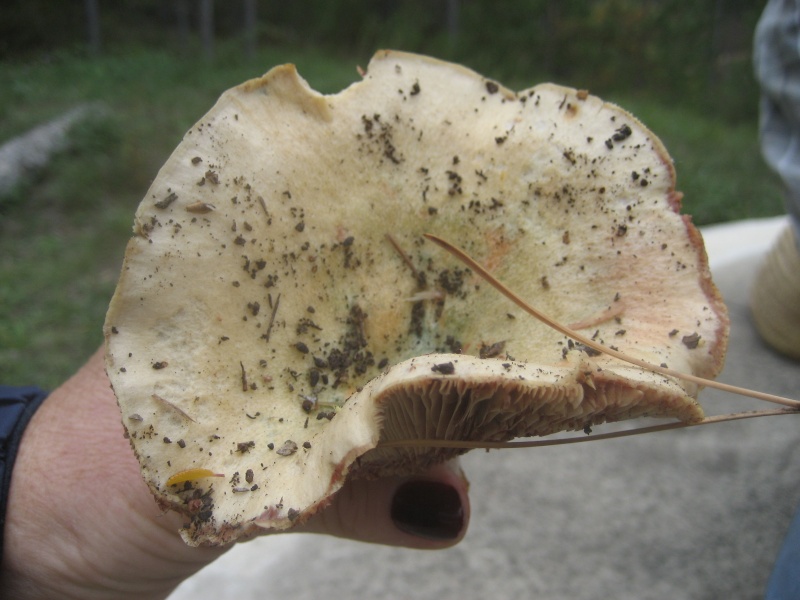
x=62 y=234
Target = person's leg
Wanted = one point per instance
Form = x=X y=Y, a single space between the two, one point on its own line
x=775 y=297
x=784 y=582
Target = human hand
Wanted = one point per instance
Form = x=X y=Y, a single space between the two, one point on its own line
x=81 y=522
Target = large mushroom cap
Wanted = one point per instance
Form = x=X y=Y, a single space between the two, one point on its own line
x=279 y=312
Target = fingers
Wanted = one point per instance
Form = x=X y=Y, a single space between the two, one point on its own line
x=428 y=510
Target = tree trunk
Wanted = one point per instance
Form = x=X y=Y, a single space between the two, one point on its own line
x=207 y=27
x=250 y=28
x=182 y=17
x=453 y=9
x=552 y=22
x=93 y=26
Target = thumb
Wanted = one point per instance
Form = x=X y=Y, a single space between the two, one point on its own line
x=428 y=510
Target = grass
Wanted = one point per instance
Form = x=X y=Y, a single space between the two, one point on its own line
x=719 y=164
x=63 y=232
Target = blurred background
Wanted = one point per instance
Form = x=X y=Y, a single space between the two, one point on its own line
x=95 y=95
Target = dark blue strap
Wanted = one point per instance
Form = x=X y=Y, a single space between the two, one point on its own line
x=17 y=406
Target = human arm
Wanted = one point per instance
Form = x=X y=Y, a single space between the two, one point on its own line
x=81 y=523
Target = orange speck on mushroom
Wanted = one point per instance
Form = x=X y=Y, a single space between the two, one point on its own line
x=191 y=475
x=498 y=247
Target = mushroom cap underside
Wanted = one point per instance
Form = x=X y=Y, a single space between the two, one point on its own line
x=279 y=311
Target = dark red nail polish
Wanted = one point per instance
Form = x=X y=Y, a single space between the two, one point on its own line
x=428 y=509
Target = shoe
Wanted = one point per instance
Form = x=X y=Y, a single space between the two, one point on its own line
x=775 y=297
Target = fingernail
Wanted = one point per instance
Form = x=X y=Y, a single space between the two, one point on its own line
x=428 y=509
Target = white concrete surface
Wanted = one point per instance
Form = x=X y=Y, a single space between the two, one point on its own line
x=691 y=514
x=730 y=242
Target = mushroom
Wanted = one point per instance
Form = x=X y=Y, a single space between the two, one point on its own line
x=281 y=317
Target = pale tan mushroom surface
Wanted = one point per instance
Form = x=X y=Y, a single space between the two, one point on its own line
x=279 y=312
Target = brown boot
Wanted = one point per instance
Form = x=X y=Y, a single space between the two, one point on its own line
x=775 y=298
